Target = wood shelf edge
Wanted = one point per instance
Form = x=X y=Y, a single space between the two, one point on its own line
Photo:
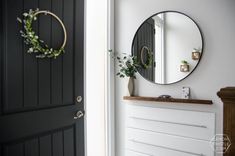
x=174 y=100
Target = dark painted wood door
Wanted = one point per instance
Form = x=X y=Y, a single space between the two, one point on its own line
x=145 y=37
x=38 y=96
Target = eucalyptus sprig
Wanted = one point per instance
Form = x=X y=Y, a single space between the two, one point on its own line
x=128 y=64
x=36 y=45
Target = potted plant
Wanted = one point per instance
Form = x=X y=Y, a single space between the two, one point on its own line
x=196 y=54
x=184 y=67
x=128 y=66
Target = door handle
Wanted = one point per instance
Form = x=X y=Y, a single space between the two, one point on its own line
x=78 y=115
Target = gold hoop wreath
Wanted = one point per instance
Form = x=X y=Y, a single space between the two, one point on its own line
x=147 y=64
x=36 y=45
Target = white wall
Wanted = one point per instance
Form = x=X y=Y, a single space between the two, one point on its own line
x=217 y=22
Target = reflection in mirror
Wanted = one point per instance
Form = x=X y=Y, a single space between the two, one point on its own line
x=168 y=45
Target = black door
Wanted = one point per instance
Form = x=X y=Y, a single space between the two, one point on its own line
x=38 y=96
x=145 y=36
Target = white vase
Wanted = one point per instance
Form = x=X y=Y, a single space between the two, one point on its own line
x=131 y=86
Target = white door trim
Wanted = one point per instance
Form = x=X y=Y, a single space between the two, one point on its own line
x=99 y=78
x=110 y=83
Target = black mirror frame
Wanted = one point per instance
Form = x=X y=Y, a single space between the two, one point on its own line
x=201 y=48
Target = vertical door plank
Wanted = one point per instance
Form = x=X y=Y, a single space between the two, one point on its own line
x=79 y=46
x=79 y=40
x=13 y=53
x=30 y=65
x=68 y=63
x=57 y=143
x=79 y=138
x=56 y=65
x=69 y=142
x=135 y=46
x=31 y=148
x=44 y=64
x=79 y=43
x=45 y=146
x=13 y=150
x=140 y=42
x=1 y=56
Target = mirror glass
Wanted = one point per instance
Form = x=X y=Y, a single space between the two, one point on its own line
x=168 y=45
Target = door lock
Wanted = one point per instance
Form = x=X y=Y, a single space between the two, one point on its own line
x=79 y=99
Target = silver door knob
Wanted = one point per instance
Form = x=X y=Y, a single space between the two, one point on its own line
x=79 y=99
x=78 y=115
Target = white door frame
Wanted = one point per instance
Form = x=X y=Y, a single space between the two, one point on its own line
x=99 y=78
x=110 y=82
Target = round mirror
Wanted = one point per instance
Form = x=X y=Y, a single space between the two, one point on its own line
x=168 y=46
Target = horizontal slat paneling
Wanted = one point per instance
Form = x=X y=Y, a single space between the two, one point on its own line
x=191 y=131
x=131 y=152
x=167 y=132
x=137 y=149
x=200 y=125
x=169 y=142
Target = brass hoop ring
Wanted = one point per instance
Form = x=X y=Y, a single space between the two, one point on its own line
x=46 y=12
x=142 y=54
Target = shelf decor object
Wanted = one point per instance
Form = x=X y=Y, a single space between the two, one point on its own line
x=131 y=86
x=196 y=54
x=36 y=45
x=173 y=100
x=184 y=67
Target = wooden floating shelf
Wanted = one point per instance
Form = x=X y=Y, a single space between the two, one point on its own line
x=174 y=100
